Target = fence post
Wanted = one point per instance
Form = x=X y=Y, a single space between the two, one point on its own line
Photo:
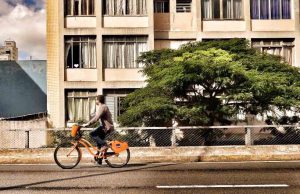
x=249 y=136
x=27 y=139
x=173 y=137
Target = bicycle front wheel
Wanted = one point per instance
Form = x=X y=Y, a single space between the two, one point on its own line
x=117 y=160
x=67 y=156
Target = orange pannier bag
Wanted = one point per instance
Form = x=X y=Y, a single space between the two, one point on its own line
x=118 y=146
x=75 y=129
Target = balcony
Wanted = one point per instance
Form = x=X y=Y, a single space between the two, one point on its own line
x=224 y=26
x=123 y=75
x=80 y=22
x=273 y=25
x=182 y=22
x=125 y=21
x=87 y=75
x=161 y=21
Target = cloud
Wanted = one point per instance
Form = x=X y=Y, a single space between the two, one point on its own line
x=5 y=8
x=25 y=23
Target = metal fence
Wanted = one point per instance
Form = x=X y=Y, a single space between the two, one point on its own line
x=161 y=136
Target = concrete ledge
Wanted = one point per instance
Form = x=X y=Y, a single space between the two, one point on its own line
x=173 y=154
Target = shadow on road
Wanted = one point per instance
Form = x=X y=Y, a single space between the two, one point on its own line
x=23 y=186
x=105 y=166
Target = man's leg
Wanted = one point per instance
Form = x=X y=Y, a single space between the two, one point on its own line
x=98 y=135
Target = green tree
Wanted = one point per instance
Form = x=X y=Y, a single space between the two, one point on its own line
x=207 y=83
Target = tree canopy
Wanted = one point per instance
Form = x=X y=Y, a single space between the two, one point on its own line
x=204 y=83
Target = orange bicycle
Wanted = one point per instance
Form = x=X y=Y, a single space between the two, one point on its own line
x=68 y=155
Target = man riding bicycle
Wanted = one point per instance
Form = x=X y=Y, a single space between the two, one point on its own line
x=103 y=114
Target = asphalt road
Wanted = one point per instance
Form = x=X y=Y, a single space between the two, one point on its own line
x=248 y=177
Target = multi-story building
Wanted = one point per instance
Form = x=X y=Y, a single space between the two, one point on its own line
x=93 y=44
x=9 y=52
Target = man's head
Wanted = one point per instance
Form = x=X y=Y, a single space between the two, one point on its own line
x=100 y=99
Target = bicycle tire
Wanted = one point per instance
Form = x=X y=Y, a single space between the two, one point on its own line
x=62 y=165
x=112 y=165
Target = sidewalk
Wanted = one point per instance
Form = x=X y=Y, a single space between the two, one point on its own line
x=168 y=154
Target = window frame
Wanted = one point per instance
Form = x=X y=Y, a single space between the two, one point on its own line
x=104 y=14
x=137 y=66
x=270 y=11
x=283 y=43
x=73 y=97
x=163 y=2
x=70 y=40
x=221 y=12
x=189 y=10
x=72 y=4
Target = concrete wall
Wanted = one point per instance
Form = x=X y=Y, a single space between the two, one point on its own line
x=13 y=134
x=80 y=22
x=171 y=154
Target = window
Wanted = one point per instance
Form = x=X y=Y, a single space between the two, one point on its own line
x=79 y=7
x=280 y=47
x=124 y=7
x=161 y=6
x=81 y=104
x=114 y=104
x=183 y=5
x=123 y=51
x=80 y=52
x=222 y=9
x=114 y=99
x=271 y=9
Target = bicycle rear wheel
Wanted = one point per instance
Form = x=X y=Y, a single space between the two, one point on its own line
x=117 y=160
x=67 y=156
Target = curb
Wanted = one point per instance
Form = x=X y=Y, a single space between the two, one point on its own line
x=168 y=154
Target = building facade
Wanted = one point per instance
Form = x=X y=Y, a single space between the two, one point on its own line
x=9 y=52
x=93 y=44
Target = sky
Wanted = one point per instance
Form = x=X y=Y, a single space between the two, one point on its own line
x=24 y=21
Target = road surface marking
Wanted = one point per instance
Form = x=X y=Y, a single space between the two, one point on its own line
x=221 y=186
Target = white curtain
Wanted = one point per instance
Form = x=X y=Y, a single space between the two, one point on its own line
x=126 y=7
x=67 y=53
x=227 y=9
x=85 y=55
x=93 y=55
x=207 y=9
x=237 y=9
x=288 y=54
x=81 y=104
x=71 y=107
x=122 y=52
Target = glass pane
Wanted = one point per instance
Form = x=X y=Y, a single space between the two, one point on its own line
x=275 y=9
x=255 y=9
x=76 y=55
x=264 y=9
x=91 y=7
x=237 y=9
x=216 y=9
x=286 y=9
x=68 y=55
x=206 y=9
x=84 y=7
x=183 y=5
x=76 y=7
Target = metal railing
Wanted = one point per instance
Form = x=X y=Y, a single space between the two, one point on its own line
x=161 y=136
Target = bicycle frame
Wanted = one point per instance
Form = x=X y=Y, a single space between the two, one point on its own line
x=87 y=146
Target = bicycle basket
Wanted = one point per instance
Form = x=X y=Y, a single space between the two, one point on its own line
x=75 y=130
x=118 y=146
